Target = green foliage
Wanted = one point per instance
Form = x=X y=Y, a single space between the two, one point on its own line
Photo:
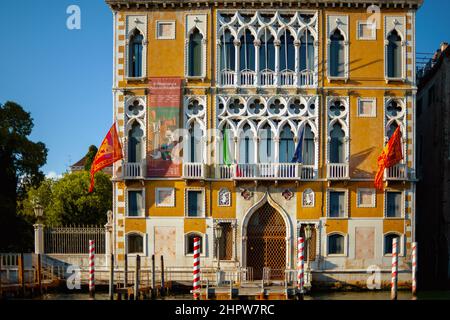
x=67 y=201
x=90 y=157
x=20 y=163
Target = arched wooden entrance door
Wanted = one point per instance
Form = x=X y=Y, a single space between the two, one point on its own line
x=266 y=243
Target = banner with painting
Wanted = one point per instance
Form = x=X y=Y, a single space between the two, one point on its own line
x=164 y=119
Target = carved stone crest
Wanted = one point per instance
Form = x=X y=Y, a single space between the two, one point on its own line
x=246 y=194
x=287 y=194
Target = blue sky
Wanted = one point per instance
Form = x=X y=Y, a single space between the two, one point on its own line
x=64 y=77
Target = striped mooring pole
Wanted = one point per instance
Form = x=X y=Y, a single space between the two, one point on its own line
x=300 y=265
x=394 y=279
x=91 y=268
x=414 y=268
x=196 y=270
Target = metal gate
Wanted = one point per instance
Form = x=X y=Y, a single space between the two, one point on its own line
x=266 y=243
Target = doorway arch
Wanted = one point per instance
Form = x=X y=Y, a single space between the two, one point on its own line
x=266 y=234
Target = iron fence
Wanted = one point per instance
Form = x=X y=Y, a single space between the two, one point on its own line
x=74 y=240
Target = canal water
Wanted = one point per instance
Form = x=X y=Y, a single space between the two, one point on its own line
x=371 y=295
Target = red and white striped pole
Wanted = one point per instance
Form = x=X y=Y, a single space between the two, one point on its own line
x=91 y=268
x=414 y=268
x=196 y=270
x=300 y=265
x=394 y=279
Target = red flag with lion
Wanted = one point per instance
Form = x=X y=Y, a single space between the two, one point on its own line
x=109 y=152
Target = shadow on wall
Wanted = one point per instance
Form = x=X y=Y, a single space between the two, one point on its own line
x=357 y=159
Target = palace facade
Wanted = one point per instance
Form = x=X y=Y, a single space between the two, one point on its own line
x=266 y=119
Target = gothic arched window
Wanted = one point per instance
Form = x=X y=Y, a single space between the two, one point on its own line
x=135 y=145
x=337 y=144
x=287 y=147
x=195 y=54
x=247 y=52
x=266 y=145
x=267 y=52
x=246 y=148
x=337 y=54
x=135 y=54
x=306 y=51
x=287 y=52
x=227 y=57
x=195 y=147
x=308 y=146
x=394 y=55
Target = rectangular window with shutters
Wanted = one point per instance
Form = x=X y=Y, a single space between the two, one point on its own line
x=135 y=206
x=337 y=207
x=195 y=203
x=394 y=205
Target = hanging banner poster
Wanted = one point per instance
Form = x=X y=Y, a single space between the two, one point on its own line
x=164 y=119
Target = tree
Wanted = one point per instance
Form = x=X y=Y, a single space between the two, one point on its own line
x=90 y=157
x=67 y=202
x=20 y=163
x=72 y=204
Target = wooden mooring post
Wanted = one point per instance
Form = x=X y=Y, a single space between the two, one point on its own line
x=39 y=273
x=111 y=278
x=137 y=277
x=21 y=275
x=153 y=290
x=163 y=284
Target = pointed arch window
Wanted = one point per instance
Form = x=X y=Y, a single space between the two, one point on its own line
x=195 y=54
x=391 y=129
x=287 y=147
x=227 y=146
x=337 y=144
x=308 y=146
x=307 y=51
x=337 y=54
x=195 y=146
x=287 y=52
x=246 y=147
x=266 y=148
x=267 y=52
x=394 y=55
x=135 y=54
x=228 y=52
x=247 y=52
x=135 y=144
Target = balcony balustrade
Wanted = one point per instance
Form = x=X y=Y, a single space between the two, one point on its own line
x=192 y=170
x=266 y=171
x=134 y=170
x=399 y=172
x=338 y=171
x=267 y=78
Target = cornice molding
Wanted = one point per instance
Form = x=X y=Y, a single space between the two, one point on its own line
x=171 y=4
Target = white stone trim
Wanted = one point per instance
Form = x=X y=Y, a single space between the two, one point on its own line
x=139 y=22
x=346 y=245
x=346 y=205
x=397 y=23
x=142 y=214
x=339 y=22
x=403 y=205
x=402 y=239
x=343 y=120
x=200 y=22
x=203 y=213
x=144 y=245
x=203 y=242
